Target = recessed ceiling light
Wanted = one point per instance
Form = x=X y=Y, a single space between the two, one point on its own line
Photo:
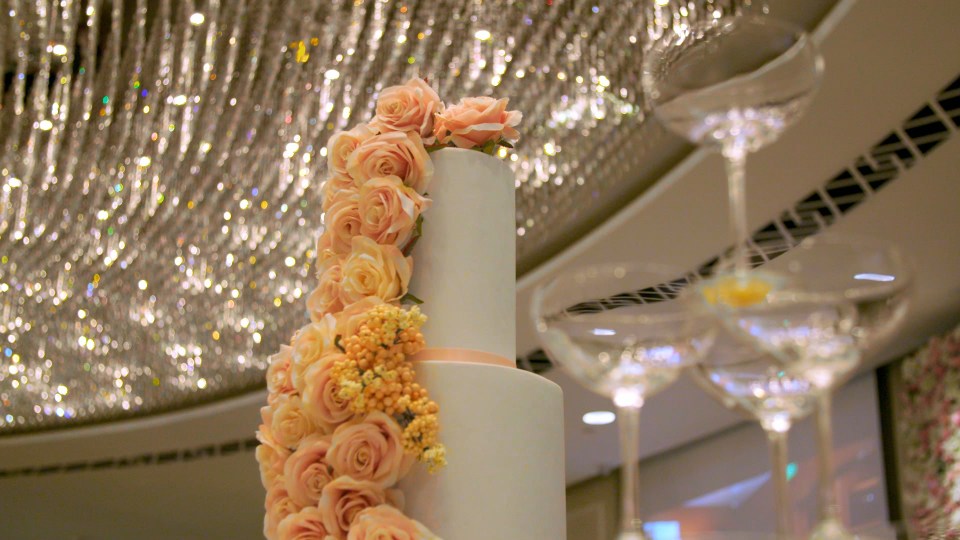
x=874 y=277
x=604 y=332
x=599 y=418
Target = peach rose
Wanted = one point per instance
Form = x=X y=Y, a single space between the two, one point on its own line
x=385 y=522
x=306 y=471
x=394 y=153
x=409 y=107
x=370 y=449
x=321 y=394
x=286 y=421
x=307 y=524
x=278 y=374
x=333 y=187
x=475 y=121
x=349 y=320
x=389 y=210
x=342 y=221
x=342 y=145
x=343 y=499
x=325 y=298
x=324 y=247
x=374 y=270
x=271 y=459
x=278 y=506
x=310 y=344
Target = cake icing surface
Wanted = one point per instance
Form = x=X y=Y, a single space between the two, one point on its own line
x=503 y=427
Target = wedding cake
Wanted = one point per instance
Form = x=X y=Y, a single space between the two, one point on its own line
x=373 y=385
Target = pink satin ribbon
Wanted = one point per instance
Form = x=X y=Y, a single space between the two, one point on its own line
x=467 y=356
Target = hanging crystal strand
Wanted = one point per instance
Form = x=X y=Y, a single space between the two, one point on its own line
x=9 y=132
x=47 y=126
x=78 y=126
x=383 y=50
x=452 y=20
x=397 y=62
x=44 y=212
x=99 y=186
x=14 y=178
x=4 y=26
x=46 y=20
x=262 y=77
x=61 y=78
x=92 y=193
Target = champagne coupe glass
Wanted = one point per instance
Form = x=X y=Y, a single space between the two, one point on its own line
x=623 y=331
x=811 y=311
x=755 y=384
x=733 y=84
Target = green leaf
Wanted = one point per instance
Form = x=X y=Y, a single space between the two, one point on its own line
x=409 y=298
x=417 y=233
x=505 y=143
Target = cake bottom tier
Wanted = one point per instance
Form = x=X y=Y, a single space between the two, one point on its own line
x=503 y=428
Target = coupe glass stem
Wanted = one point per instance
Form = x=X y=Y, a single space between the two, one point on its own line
x=827 y=500
x=735 y=158
x=778 y=461
x=631 y=527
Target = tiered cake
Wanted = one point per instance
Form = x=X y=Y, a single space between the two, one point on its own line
x=503 y=427
x=382 y=422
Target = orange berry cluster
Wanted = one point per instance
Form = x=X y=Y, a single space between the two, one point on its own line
x=376 y=376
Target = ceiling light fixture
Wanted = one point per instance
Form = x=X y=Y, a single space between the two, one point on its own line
x=599 y=418
x=867 y=276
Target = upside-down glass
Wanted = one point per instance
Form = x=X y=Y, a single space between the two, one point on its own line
x=733 y=84
x=811 y=310
x=622 y=331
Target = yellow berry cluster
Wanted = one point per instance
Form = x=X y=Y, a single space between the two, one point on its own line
x=374 y=375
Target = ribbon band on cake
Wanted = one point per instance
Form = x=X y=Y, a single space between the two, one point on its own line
x=463 y=356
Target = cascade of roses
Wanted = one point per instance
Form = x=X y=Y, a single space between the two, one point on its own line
x=345 y=419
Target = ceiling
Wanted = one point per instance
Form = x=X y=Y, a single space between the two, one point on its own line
x=873 y=84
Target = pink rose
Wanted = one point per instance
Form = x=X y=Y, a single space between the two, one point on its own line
x=475 y=121
x=370 y=449
x=321 y=394
x=342 y=220
x=278 y=506
x=325 y=299
x=393 y=153
x=374 y=270
x=342 y=145
x=286 y=421
x=387 y=523
x=310 y=344
x=307 y=524
x=278 y=374
x=409 y=107
x=389 y=210
x=343 y=499
x=306 y=471
x=349 y=320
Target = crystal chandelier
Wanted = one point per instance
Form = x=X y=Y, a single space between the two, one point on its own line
x=161 y=165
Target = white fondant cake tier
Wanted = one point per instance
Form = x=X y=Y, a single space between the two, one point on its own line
x=503 y=428
x=465 y=263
